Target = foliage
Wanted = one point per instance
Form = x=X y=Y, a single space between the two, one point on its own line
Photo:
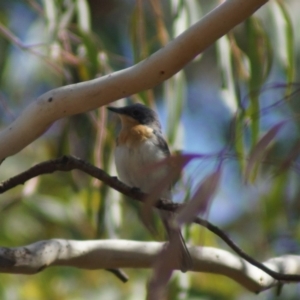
x=235 y=106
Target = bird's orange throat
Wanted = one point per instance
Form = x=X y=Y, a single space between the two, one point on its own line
x=133 y=133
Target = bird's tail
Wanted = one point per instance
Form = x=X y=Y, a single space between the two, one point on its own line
x=175 y=236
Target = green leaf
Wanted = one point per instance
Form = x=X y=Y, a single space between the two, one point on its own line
x=289 y=40
x=260 y=56
x=83 y=14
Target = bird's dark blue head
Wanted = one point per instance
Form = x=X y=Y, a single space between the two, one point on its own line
x=139 y=112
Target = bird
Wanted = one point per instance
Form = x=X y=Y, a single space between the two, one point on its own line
x=140 y=144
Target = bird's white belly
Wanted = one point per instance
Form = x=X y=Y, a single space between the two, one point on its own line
x=133 y=166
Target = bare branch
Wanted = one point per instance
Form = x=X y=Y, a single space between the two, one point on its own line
x=85 y=96
x=105 y=254
x=68 y=163
x=221 y=234
x=119 y=274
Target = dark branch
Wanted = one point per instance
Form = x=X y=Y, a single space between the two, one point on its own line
x=69 y=163
x=119 y=274
x=221 y=234
x=66 y=164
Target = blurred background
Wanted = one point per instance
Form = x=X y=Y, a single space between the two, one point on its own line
x=219 y=107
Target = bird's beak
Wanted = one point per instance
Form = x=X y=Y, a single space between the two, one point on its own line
x=117 y=110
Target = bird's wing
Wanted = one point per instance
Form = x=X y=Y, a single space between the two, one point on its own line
x=161 y=143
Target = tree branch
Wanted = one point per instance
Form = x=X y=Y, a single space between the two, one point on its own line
x=68 y=163
x=85 y=96
x=105 y=254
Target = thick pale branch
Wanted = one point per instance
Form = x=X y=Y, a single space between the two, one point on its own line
x=103 y=254
x=85 y=96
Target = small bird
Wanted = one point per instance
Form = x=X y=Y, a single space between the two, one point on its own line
x=141 y=144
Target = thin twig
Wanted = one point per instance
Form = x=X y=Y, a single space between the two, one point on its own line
x=221 y=234
x=119 y=274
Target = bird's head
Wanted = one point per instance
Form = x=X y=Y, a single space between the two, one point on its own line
x=137 y=114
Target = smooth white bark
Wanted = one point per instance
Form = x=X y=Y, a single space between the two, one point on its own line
x=85 y=96
x=101 y=254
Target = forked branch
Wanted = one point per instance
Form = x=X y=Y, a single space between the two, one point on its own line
x=68 y=163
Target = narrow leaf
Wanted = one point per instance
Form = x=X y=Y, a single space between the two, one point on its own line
x=164 y=265
x=83 y=15
x=260 y=57
x=200 y=200
x=51 y=14
x=291 y=157
x=284 y=33
x=259 y=149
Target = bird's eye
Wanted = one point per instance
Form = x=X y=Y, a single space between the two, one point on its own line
x=135 y=113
